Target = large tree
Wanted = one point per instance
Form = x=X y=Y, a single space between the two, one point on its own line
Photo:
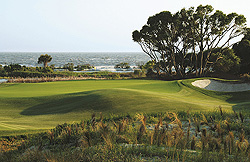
x=229 y=62
x=242 y=49
x=45 y=59
x=180 y=40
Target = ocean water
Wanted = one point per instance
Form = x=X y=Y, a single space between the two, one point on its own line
x=98 y=59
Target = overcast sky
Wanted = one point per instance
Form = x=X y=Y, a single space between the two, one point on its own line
x=87 y=25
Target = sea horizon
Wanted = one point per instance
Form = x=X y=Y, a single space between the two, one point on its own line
x=77 y=58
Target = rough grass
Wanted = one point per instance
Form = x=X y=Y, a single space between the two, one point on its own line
x=27 y=107
x=181 y=136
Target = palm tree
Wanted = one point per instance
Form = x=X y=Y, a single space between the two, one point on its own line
x=45 y=59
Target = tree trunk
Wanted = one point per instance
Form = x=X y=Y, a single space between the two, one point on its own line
x=45 y=64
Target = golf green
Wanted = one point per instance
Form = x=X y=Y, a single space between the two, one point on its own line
x=29 y=107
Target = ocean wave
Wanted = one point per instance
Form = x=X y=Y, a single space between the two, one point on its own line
x=77 y=58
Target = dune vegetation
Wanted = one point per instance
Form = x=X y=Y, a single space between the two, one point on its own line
x=171 y=136
x=29 y=107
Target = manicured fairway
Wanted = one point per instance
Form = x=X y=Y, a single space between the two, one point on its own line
x=28 y=107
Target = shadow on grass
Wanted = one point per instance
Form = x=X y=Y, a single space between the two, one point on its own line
x=241 y=101
x=77 y=102
x=242 y=107
x=117 y=101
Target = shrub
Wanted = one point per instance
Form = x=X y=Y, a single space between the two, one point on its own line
x=116 y=76
x=123 y=65
x=83 y=67
x=69 y=66
x=245 y=77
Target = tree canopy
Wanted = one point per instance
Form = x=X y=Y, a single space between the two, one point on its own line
x=45 y=59
x=179 y=41
x=229 y=62
x=242 y=49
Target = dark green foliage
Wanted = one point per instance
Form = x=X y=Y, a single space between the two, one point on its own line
x=228 y=62
x=45 y=59
x=69 y=66
x=123 y=65
x=83 y=67
x=139 y=72
x=16 y=70
x=242 y=50
x=245 y=77
x=13 y=67
x=150 y=67
x=115 y=76
x=180 y=40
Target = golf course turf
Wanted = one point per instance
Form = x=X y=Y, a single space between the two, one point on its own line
x=29 y=107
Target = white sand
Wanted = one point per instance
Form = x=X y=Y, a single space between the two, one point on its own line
x=3 y=80
x=215 y=85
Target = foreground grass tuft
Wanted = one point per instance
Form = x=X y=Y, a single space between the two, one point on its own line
x=172 y=136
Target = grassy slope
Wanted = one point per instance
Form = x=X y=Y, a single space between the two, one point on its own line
x=35 y=106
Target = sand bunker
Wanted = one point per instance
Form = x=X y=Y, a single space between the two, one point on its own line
x=215 y=85
x=3 y=80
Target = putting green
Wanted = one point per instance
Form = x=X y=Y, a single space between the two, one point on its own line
x=28 y=107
